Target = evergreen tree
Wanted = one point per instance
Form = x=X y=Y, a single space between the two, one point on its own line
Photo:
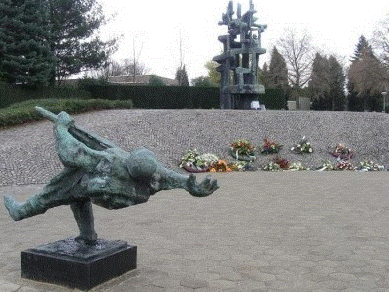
x=25 y=55
x=319 y=83
x=362 y=44
x=326 y=85
x=182 y=76
x=263 y=75
x=366 y=78
x=278 y=71
x=74 y=24
x=355 y=103
x=336 y=82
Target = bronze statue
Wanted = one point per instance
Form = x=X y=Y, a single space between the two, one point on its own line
x=97 y=171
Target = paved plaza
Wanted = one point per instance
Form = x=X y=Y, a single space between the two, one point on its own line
x=287 y=231
x=261 y=231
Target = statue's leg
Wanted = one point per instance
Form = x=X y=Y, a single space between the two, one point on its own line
x=83 y=213
x=60 y=191
x=19 y=211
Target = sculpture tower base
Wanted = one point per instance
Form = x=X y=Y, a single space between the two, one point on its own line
x=77 y=265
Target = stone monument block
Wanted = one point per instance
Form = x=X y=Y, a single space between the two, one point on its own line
x=75 y=265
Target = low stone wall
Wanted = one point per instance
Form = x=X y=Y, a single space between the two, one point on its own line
x=28 y=154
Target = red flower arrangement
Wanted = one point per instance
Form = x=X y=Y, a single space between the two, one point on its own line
x=282 y=162
x=342 y=152
x=270 y=147
x=344 y=165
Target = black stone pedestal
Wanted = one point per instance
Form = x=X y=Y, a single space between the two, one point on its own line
x=77 y=265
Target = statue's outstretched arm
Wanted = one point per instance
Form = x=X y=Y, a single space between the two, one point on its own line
x=72 y=152
x=71 y=149
x=166 y=179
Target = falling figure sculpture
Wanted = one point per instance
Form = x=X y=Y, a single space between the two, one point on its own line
x=97 y=171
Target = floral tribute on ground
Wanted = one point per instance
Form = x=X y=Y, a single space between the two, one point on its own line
x=297 y=166
x=278 y=163
x=242 y=150
x=344 y=165
x=342 y=152
x=244 y=153
x=193 y=161
x=220 y=166
x=303 y=147
x=270 y=147
x=369 y=165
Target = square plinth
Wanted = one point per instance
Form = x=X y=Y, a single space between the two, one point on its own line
x=77 y=265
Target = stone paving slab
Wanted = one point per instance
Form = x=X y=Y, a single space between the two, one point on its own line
x=287 y=231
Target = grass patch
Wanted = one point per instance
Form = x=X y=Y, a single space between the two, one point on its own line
x=23 y=112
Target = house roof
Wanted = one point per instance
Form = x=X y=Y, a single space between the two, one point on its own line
x=140 y=80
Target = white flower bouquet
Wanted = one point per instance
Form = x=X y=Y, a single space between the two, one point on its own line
x=303 y=147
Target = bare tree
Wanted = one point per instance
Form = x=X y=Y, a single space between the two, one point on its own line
x=110 y=68
x=381 y=43
x=181 y=74
x=135 y=60
x=132 y=68
x=119 y=68
x=381 y=40
x=298 y=52
x=114 y=68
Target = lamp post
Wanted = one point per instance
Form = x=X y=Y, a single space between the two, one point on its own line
x=384 y=94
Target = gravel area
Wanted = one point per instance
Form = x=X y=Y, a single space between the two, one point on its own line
x=27 y=153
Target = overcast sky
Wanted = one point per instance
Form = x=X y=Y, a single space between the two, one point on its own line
x=155 y=26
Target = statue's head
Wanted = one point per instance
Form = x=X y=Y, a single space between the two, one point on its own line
x=141 y=164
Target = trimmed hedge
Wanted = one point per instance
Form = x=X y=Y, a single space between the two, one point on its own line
x=160 y=97
x=146 y=97
x=24 y=112
x=10 y=94
x=177 y=97
x=274 y=99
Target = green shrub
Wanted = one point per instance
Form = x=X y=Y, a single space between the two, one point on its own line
x=24 y=112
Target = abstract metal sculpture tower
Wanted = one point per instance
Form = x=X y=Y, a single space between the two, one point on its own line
x=239 y=61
